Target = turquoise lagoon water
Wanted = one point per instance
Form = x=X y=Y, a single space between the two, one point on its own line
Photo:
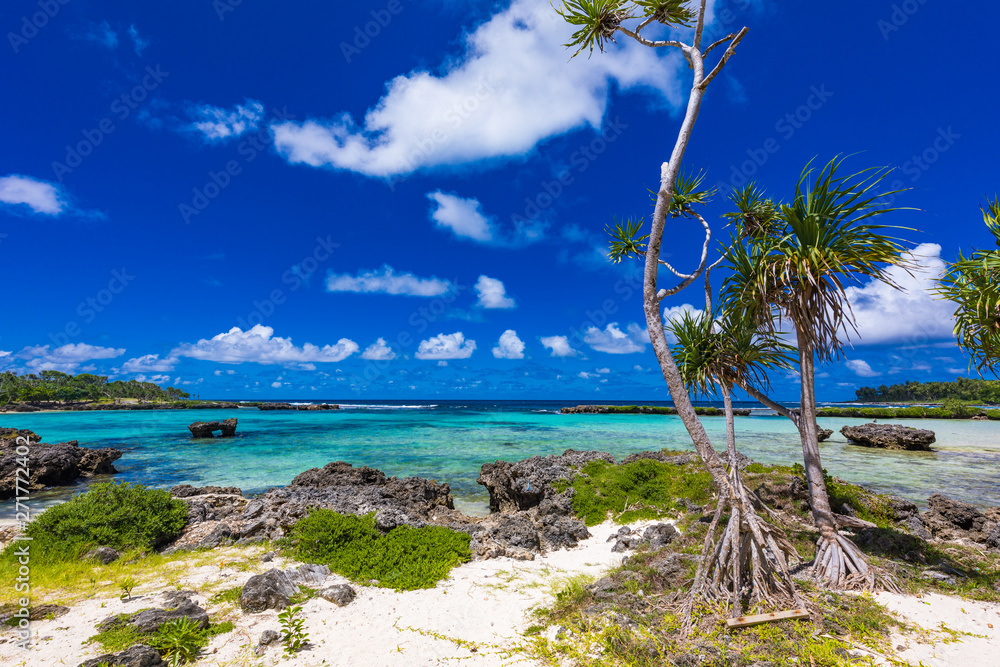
x=449 y=441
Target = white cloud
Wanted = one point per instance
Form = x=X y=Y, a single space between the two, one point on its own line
x=509 y=346
x=66 y=358
x=387 y=281
x=511 y=88
x=259 y=345
x=138 y=41
x=913 y=315
x=275 y=384
x=378 y=351
x=464 y=217
x=149 y=363
x=603 y=371
x=492 y=294
x=218 y=124
x=677 y=312
x=101 y=33
x=40 y=196
x=585 y=375
x=861 y=368
x=446 y=346
x=615 y=341
x=559 y=345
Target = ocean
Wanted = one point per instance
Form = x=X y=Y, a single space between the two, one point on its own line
x=448 y=441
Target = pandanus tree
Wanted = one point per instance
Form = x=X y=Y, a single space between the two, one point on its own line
x=716 y=352
x=974 y=284
x=793 y=263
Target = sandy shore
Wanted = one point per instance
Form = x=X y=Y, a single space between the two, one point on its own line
x=475 y=617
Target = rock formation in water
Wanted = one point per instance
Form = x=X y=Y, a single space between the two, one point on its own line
x=207 y=429
x=59 y=464
x=889 y=436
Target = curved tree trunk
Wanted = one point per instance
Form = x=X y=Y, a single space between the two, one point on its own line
x=839 y=562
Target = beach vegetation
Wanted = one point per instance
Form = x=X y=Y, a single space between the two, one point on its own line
x=121 y=516
x=293 y=634
x=973 y=283
x=229 y=596
x=179 y=640
x=643 y=489
x=405 y=558
x=970 y=390
x=48 y=386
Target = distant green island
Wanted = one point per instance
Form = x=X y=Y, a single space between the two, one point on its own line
x=981 y=392
x=52 y=386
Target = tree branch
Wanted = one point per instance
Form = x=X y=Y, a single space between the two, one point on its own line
x=664 y=293
x=700 y=27
x=761 y=397
x=648 y=42
x=725 y=58
x=718 y=43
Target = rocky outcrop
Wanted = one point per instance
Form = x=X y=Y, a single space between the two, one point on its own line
x=318 y=406
x=149 y=621
x=139 y=655
x=340 y=595
x=59 y=464
x=654 y=537
x=949 y=519
x=275 y=406
x=889 y=436
x=271 y=590
x=207 y=429
x=105 y=555
x=823 y=434
x=524 y=484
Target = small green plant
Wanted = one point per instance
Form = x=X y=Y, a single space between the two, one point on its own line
x=405 y=559
x=180 y=640
x=228 y=596
x=126 y=586
x=122 y=516
x=292 y=633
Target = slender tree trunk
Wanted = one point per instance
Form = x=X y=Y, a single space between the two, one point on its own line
x=819 y=499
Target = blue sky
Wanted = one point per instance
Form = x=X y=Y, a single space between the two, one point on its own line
x=406 y=198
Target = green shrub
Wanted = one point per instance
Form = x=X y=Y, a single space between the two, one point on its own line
x=180 y=640
x=912 y=413
x=643 y=489
x=293 y=635
x=992 y=414
x=121 y=516
x=405 y=559
x=959 y=409
x=938 y=413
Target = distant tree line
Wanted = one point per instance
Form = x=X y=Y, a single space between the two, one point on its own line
x=58 y=386
x=962 y=389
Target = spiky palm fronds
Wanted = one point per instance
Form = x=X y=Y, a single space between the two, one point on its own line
x=669 y=12
x=598 y=20
x=819 y=245
x=755 y=214
x=727 y=350
x=625 y=240
x=973 y=283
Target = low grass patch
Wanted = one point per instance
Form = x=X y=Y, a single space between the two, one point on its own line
x=120 y=636
x=227 y=596
x=122 y=516
x=643 y=489
x=405 y=559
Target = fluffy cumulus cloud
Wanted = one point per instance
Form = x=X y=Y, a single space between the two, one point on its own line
x=446 y=346
x=862 y=368
x=677 y=312
x=260 y=345
x=911 y=315
x=66 y=358
x=464 y=217
x=559 y=346
x=615 y=341
x=387 y=281
x=39 y=196
x=492 y=294
x=378 y=351
x=149 y=363
x=510 y=89
x=509 y=346
x=218 y=124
